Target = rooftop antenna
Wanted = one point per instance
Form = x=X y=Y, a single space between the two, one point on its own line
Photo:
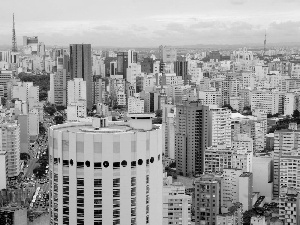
x=14 y=41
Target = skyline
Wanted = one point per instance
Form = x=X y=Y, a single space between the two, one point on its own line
x=148 y=24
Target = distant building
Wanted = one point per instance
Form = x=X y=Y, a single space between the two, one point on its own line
x=81 y=67
x=124 y=59
x=167 y=54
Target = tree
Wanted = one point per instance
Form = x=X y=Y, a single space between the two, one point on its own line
x=229 y=107
x=3 y=101
x=296 y=114
x=158 y=113
x=50 y=109
x=24 y=156
x=42 y=128
x=157 y=120
x=172 y=165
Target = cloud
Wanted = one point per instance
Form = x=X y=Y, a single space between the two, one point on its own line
x=177 y=27
x=103 y=27
x=238 y=2
x=286 y=25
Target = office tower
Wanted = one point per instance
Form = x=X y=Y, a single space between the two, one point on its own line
x=124 y=59
x=13 y=216
x=81 y=67
x=286 y=142
x=115 y=172
x=246 y=190
x=289 y=206
x=112 y=69
x=167 y=54
x=151 y=102
x=181 y=69
x=5 y=76
x=262 y=176
x=208 y=189
x=10 y=138
x=234 y=216
x=3 y=166
x=191 y=137
x=24 y=132
x=176 y=205
x=147 y=65
x=30 y=45
x=58 y=86
x=135 y=105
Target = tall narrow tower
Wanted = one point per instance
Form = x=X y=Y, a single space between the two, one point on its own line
x=265 y=42
x=14 y=41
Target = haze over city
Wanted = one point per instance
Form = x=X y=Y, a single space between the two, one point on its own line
x=140 y=23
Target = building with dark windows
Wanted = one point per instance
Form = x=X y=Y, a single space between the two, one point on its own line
x=106 y=173
x=81 y=67
x=123 y=60
x=181 y=69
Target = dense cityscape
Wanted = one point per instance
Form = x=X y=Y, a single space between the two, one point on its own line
x=174 y=134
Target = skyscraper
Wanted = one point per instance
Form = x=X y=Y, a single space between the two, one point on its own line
x=81 y=67
x=102 y=173
x=167 y=54
x=124 y=59
x=191 y=137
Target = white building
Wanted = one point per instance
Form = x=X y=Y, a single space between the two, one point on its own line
x=211 y=97
x=106 y=173
x=76 y=110
x=10 y=142
x=219 y=126
x=135 y=105
x=3 y=169
x=176 y=205
x=262 y=176
x=266 y=100
x=133 y=71
x=76 y=90
x=246 y=190
x=290 y=103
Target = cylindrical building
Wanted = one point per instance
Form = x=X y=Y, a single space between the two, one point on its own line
x=106 y=173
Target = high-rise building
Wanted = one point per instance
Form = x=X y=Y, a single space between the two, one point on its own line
x=191 y=137
x=60 y=80
x=181 y=69
x=5 y=76
x=30 y=45
x=289 y=206
x=13 y=216
x=246 y=190
x=176 y=205
x=124 y=59
x=77 y=101
x=208 y=189
x=106 y=173
x=286 y=142
x=10 y=139
x=3 y=169
x=81 y=67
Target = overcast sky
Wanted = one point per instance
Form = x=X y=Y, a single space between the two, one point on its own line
x=143 y=23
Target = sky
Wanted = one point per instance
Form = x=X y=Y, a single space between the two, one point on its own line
x=150 y=23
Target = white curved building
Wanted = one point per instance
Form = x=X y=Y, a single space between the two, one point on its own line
x=106 y=174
